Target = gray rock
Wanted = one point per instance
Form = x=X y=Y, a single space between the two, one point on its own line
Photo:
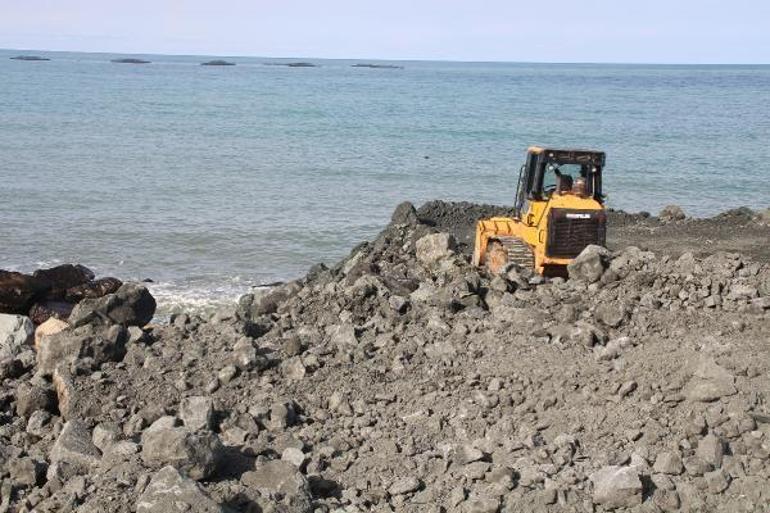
x=170 y=492
x=343 y=336
x=694 y=466
x=483 y=505
x=197 y=412
x=617 y=487
x=105 y=435
x=611 y=314
x=668 y=463
x=131 y=305
x=16 y=334
x=68 y=347
x=294 y=456
x=195 y=454
x=227 y=373
x=404 y=485
x=277 y=478
x=435 y=247
x=710 y=382
x=717 y=481
x=294 y=369
x=282 y=415
x=74 y=448
x=33 y=397
x=26 y=472
x=666 y=500
x=671 y=213
x=37 y=424
x=405 y=213
x=245 y=356
x=265 y=302
x=468 y=454
x=711 y=450
x=590 y=264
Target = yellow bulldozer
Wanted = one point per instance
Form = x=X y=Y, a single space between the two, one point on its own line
x=559 y=210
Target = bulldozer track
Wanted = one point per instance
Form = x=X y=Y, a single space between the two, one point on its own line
x=510 y=250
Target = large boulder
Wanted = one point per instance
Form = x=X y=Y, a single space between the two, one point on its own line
x=74 y=448
x=16 y=334
x=197 y=454
x=617 y=487
x=18 y=291
x=171 y=492
x=131 y=305
x=278 y=478
x=590 y=264
x=63 y=277
x=67 y=347
x=710 y=382
x=435 y=247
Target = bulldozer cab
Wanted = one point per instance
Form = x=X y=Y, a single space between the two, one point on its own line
x=549 y=171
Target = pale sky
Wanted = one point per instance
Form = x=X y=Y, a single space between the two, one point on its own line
x=656 y=31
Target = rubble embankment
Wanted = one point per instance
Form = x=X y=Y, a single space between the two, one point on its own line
x=402 y=379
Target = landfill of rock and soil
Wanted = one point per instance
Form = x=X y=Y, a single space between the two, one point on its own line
x=403 y=379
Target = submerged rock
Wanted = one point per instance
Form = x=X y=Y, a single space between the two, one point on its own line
x=217 y=62
x=33 y=58
x=130 y=60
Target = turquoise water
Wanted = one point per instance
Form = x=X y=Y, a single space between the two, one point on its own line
x=211 y=179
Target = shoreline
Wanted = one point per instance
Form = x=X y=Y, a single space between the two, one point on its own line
x=670 y=235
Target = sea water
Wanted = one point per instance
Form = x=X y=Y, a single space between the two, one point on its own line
x=210 y=180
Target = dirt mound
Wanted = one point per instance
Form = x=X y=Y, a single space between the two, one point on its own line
x=403 y=379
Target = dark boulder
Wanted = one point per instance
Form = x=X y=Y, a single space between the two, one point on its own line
x=44 y=310
x=131 y=305
x=405 y=213
x=18 y=291
x=63 y=277
x=93 y=289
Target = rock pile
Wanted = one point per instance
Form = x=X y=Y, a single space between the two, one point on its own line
x=404 y=380
x=51 y=292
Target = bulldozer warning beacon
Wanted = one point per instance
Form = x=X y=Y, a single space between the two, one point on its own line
x=559 y=210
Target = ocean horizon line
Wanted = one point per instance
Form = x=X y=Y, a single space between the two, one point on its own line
x=402 y=60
